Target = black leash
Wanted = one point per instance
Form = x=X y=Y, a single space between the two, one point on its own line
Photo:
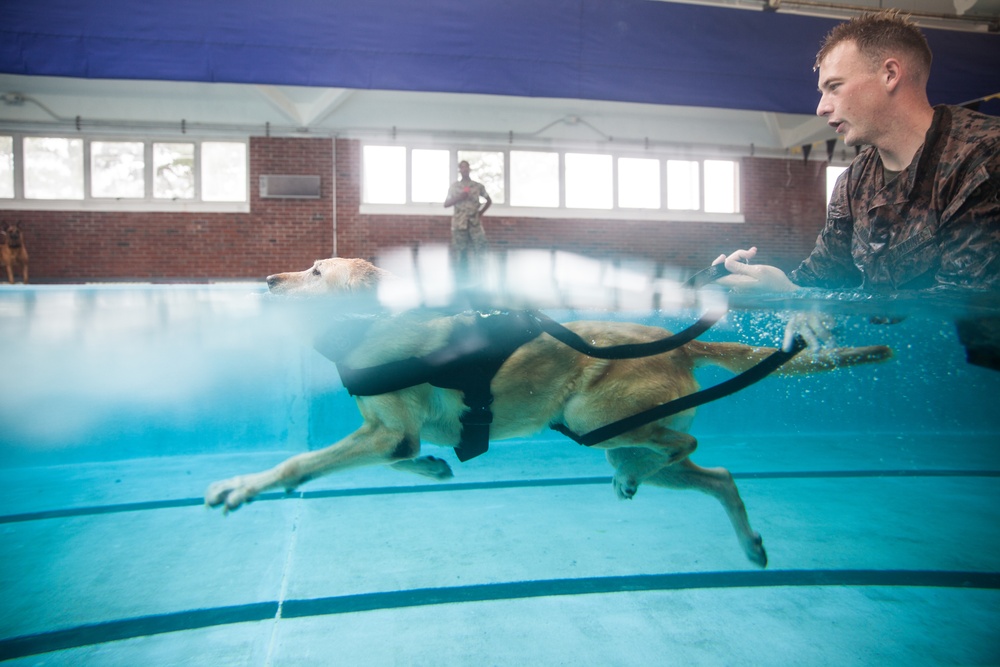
x=705 y=276
x=636 y=350
x=628 y=350
x=721 y=390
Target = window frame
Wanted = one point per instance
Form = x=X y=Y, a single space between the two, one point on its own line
x=506 y=209
x=147 y=203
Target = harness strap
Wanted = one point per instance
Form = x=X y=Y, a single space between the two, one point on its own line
x=467 y=362
x=721 y=390
x=628 y=350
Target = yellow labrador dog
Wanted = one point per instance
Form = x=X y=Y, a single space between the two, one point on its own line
x=543 y=382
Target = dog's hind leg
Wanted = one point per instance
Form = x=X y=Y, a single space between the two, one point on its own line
x=662 y=447
x=718 y=483
x=369 y=445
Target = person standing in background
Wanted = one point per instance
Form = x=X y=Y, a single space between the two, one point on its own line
x=467 y=235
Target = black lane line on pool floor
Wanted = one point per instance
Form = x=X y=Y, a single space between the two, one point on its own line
x=466 y=486
x=143 y=626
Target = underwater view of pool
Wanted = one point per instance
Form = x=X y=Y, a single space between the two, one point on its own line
x=875 y=489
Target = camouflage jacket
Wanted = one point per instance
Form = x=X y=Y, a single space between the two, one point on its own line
x=466 y=210
x=936 y=224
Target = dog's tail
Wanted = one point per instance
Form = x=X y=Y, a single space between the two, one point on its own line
x=737 y=357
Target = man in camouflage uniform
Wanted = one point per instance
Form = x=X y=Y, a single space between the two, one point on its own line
x=466 y=223
x=936 y=223
x=920 y=207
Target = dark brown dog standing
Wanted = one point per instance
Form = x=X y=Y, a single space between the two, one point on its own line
x=13 y=251
x=543 y=382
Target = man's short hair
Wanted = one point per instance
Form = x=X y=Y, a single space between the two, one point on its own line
x=879 y=36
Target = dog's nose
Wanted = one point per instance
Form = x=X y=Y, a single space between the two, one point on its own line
x=273 y=280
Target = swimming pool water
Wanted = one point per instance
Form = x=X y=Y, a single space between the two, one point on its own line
x=874 y=488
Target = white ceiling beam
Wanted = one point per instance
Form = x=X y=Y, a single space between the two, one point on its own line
x=806 y=132
x=305 y=114
x=326 y=104
x=282 y=103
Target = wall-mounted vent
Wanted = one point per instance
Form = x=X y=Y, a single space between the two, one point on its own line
x=289 y=187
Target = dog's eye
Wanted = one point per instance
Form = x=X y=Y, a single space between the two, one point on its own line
x=316 y=271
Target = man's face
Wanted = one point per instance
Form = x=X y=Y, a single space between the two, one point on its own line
x=852 y=95
x=463 y=169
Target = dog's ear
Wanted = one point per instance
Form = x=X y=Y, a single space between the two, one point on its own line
x=364 y=275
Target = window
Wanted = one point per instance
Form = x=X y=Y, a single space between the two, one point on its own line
x=832 y=174
x=173 y=171
x=431 y=175
x=486 y=167
x=589 y=181
x=638 y=183
x=534 y=179
x=53 y=168
x=7 y=167
x=721 y=195
x=384 y=174
x=683 y=190
x=224 y=171
x=122 y=174
x=549 y=183
x=117 y=169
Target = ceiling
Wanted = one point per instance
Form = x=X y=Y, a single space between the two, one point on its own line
x=120 y=106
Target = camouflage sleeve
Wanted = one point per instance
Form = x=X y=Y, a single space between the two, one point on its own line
x=830 y=264
x=970 y=233
x=452 y=192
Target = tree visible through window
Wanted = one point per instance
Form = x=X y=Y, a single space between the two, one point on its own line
x=173 y=171
x=117 y=169
x=486 y=167
x=54 y=168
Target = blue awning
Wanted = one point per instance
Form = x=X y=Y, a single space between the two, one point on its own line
x=619 y=50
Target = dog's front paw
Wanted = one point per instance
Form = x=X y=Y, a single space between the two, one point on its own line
x=230 y=494
x=625 y=486
x=426 y=466
x=438 y=468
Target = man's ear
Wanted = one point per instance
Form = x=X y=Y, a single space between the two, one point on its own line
x=892 y=73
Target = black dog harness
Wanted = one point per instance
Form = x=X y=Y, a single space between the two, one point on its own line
x=475 y=351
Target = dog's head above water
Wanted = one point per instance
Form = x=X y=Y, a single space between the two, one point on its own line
x=329 y=276
x=11 y=235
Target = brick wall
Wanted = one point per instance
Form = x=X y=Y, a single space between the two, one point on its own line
x=77 y=246
x=783 y=202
